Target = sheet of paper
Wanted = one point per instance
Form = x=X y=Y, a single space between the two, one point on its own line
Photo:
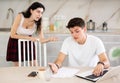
x=65 y=72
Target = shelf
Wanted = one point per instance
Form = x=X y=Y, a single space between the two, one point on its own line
x=4 y=29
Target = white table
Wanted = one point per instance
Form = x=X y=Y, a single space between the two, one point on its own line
x=19 y=75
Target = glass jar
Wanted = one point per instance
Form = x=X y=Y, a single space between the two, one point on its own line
x=45 y=23
x=59 y=23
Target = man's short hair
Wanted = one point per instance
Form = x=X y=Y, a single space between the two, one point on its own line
x=76 y=22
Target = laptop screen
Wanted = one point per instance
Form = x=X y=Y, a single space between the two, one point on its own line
x=89 y=76
x=93 y=76
x=113 y=71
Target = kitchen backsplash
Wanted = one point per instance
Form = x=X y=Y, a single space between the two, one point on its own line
x=60 y=11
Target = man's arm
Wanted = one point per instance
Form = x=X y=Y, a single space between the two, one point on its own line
x=104 y=59
x=60 y=59
x=102 y=64
x=58 y=62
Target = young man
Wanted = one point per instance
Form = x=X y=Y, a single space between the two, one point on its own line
x=82 y=49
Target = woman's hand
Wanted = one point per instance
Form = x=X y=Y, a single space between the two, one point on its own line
x=98 y=70
x=52 y=39
x=34 y=39
x=45 y=40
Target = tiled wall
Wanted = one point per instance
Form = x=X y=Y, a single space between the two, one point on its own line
x=97 y=10
x=15 y=5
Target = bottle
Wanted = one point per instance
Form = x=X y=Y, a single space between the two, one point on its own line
x=59 y=23
x=51 y=27
x=45 y=23
x=104 y=28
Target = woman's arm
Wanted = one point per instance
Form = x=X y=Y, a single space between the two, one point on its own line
x=44 y=40
x=14 y=30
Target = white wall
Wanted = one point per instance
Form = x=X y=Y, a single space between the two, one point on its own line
x=16 y=5
x=97 y=10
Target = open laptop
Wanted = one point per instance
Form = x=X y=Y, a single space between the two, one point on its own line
x=106 y=75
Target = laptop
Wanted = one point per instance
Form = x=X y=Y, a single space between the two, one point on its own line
x=106 y=74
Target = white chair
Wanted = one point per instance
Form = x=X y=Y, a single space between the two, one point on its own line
x=27 y=51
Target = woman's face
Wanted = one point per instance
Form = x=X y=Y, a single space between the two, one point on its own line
x=37 y=13
x=78 y=33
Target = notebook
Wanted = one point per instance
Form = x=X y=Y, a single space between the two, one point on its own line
x=106 y=75
x=65 y=72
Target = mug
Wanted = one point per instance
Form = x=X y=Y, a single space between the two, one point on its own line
x=44 y=74
x=41 y=73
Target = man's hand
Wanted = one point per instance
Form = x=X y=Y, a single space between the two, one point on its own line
x=98 y=70
x=53 y=67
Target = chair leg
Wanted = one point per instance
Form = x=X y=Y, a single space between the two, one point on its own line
x=16 y=63
x=34 y=63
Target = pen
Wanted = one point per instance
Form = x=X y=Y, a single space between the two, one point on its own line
x=51 y=68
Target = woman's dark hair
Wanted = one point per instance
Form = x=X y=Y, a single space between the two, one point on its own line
x=76 y=22
x=34 y=6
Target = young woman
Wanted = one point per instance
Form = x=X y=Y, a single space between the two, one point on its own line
x=25 y=25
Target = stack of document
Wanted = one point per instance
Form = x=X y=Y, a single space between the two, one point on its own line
x=65 y=72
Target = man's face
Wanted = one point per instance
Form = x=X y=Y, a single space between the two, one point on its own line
x=78 y=33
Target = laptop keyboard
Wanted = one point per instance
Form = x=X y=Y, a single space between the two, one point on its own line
x=93 y=76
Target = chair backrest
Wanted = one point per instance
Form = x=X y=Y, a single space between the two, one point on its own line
x=31 y=53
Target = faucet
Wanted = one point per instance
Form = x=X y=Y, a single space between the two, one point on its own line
x=8 y=14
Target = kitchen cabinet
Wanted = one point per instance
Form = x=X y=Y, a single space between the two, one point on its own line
x=109 y=40
x=4 y=36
